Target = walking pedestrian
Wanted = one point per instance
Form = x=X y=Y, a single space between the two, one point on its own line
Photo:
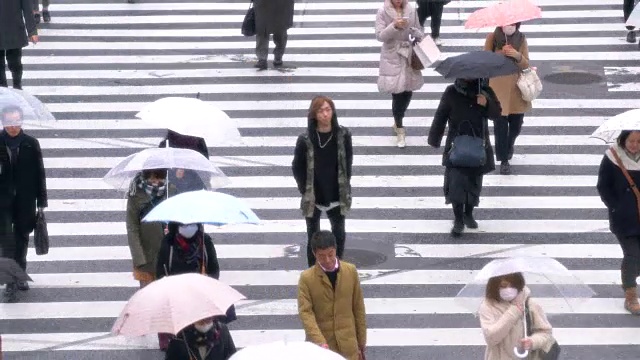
x=24 y=190
x=46 y=16
x=502 y=314
x=273 y=17
x=17 y=27
x=432 y=9
x=464 y=107
x=627 y=9
x=185 y=180
x=322 y=169
x=396 y=21
x=206 y=339
x=331 y=303
x=618 y=179
x=508 y=40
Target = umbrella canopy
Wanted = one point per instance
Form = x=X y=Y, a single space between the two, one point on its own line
x=502 y=14
x=121 y=175
x=611 y=129
x=634 y=17
x=203 y=207
x=192 y=117
x=546 y=277
x=174 y=302
x=11 y=272
x=477 y=65
x=284 y=350
x=32 y=108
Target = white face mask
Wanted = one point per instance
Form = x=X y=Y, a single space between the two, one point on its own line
x=508 y=294
x=509 y=30
x=188 y=230
x=203 y=328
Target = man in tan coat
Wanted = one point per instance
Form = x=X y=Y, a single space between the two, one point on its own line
x=330 y=301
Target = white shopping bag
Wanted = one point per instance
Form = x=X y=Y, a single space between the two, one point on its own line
x=427 y=51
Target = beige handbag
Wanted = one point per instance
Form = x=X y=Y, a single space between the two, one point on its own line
x=529 y=84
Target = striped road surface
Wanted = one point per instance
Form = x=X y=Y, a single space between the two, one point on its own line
x=100 y=61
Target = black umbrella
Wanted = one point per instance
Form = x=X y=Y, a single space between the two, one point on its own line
x=11 y=272
x=477 y=65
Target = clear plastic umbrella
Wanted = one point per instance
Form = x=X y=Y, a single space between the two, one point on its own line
x=547 y=278
x=121 y=175
x=192 y=117
x=610 y=130
x=33 y=110
x=285 y=350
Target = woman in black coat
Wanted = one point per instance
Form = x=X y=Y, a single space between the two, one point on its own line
x=622 y=203
x=207 y=339
x=465 y=107
x=17 y=27
x=185 y=180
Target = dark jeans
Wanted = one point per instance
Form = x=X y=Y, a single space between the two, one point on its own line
x=630 y=260
x=262 y=45
x=432 y=9
x=36 y=4
x=627 y=9
x=14 y=60
x=399 y=105
x=506 y=130
x=337 y=228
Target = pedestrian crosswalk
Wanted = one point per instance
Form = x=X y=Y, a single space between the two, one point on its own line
x=100 y=61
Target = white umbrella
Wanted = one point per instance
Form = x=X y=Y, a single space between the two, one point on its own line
x=192 y=117
x=284 y=350
x=121 y=175
x=610 y=130
x=634 y=17
x=32 y=108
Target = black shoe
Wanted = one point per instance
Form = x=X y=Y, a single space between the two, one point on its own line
x=631 y=37
x=277 y=63
x=10 y=293
x=23 y=286
x=470 y=222
x=131 y=1
x=505 y=168
x=457 y=229
x=46 y=16
x=261 y=65
x=36 y=18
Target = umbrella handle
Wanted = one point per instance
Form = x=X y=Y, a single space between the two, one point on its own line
x=523 y=355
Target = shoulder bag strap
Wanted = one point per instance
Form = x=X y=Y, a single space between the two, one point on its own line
x=632 y=184
x=529 y=318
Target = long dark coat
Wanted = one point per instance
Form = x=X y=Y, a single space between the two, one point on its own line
x=14 y=15
x=273 y=16
x=25 y=188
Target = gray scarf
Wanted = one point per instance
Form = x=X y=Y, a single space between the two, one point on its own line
x=500 y=39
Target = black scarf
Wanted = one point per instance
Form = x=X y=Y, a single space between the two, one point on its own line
x=471 y=88
x=195 y=338
x=13 y=143
x=500 y=39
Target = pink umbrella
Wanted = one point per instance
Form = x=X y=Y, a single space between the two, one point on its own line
x=503 y=13
x=174 y=302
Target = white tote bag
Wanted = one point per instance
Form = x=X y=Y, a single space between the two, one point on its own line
x=427 y=51
x=529 y=84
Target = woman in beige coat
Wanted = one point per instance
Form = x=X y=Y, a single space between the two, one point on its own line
x=395 y=22
x=508 y=40
x=502 y=319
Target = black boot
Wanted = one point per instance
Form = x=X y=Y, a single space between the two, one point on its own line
x=261 y=65
x=10 y=293
x=458 y=222
x=468 y=219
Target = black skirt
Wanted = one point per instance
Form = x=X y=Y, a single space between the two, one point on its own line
x=462 y=187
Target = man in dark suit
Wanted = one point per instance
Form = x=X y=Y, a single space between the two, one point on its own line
x=22 y=188
x=17 y=28
x=272 y=17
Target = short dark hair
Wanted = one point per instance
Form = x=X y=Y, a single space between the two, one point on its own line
x=158 y=173
x=624 y=135
x=12 y=109
x=322 y=239
x=493 y=285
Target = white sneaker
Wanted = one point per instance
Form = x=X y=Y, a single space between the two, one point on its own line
x=401 y=137
x=437 y=41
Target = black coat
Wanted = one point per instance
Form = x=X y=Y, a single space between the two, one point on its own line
x=178 y=261
x=617 y=196
x=273 y=16
x=181 y=347
x=454 y=110
x=22 y=191
x=13 y=16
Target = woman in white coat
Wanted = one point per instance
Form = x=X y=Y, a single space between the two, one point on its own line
x=395 y=22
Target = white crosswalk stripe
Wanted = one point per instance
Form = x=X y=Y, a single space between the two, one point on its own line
x=100 y=61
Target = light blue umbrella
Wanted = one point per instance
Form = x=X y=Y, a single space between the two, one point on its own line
x=203 y=207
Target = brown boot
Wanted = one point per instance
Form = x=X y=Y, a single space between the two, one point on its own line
x=631 y=301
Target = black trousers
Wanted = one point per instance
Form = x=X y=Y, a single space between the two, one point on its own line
x=506 y=131
x=630 y=269
x=627 y=9
x=14 y=245
x=432 y=9
x=14 y=60
x=262 y=45
x=399 y=105
x=337 y=228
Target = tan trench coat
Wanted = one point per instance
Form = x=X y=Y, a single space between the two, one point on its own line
x=335 y=318
x=503 y=326
x=506 y=87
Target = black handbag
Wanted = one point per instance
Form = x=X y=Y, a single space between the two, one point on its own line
x=468 y=150
x=554 y=352
x=249 y=23
x=41 y=235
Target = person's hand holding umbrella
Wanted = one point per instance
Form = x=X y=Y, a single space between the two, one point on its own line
x=509 y=51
